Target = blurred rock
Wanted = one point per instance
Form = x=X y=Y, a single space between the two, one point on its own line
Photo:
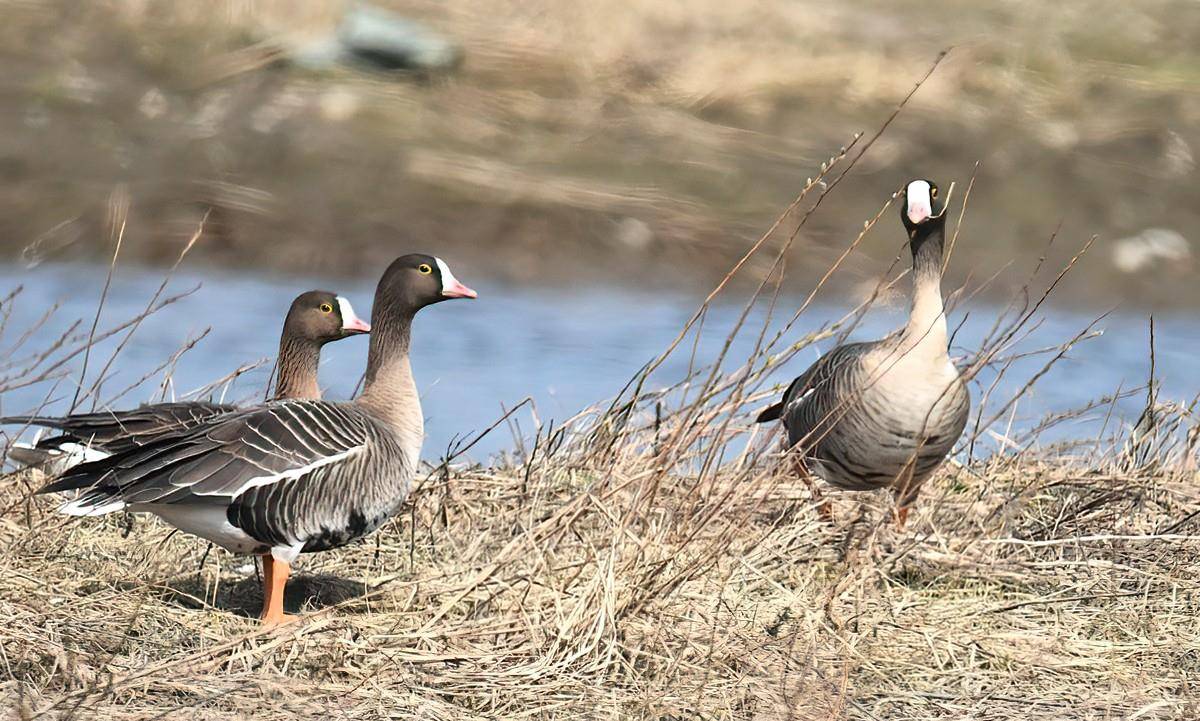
x=77 y=84
x=153 y=104
x=634 y=233
x=277 y=109
x=379 y=39
x=206 y=121
x=1059 y=135
x=1151 y=245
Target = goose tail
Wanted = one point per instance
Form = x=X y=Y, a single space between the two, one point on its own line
x=54 y=459
x=770 y=413
x=97 y=495
x=96 y=502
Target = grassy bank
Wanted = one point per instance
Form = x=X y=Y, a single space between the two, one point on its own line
x=610 y=141
x=568 y=589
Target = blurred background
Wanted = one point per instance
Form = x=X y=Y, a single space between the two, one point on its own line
x=585 y=161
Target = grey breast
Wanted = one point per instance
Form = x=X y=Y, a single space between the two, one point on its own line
x=330 y=506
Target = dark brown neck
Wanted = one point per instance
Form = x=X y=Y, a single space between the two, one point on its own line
x=298 y=362
x=927 y=252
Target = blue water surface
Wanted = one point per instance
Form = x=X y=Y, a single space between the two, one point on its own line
x=567 y=348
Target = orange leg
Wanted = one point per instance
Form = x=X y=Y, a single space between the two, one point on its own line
x=904 y=501
x=275 y=576
x=824 y=508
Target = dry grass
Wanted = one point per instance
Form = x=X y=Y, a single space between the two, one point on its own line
x=568 y=588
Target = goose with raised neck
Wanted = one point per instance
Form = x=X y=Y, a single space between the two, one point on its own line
x=925 y=332
x=314 y=319
x=884 y=413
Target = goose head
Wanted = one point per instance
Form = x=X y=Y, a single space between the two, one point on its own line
x=920 y=205
x=320 y=316
x=414 y=281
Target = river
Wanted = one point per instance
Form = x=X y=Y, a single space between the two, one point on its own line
x=565 y=347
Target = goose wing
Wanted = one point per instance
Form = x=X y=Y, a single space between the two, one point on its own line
x=116 y=431
x=816 y=378
x=224 y=456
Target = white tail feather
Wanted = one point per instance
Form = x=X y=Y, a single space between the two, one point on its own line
x=86 y=507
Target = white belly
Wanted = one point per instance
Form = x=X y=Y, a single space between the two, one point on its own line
x=206 y=521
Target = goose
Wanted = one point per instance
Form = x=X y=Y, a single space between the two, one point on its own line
x=314 y=318
x=291 y=476
x=885 y=413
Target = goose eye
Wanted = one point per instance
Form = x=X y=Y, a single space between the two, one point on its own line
x=424 y=269
x=933 y=192
x=326 y=308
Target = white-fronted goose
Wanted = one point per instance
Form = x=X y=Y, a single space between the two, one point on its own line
x=314 y=319
x=884 y=414
x=290 y=476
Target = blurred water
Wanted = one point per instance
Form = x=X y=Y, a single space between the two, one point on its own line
x=565 y=348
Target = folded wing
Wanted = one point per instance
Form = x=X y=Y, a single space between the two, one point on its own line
x=221 y=457
x=118 y=431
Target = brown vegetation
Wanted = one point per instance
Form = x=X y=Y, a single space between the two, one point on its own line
x=581 y=584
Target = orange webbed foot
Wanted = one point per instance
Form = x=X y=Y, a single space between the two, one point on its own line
x=283 y=619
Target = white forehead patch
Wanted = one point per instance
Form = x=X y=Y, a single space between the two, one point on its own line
x=918 y=195
x=448 y=278
x=346 y=310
